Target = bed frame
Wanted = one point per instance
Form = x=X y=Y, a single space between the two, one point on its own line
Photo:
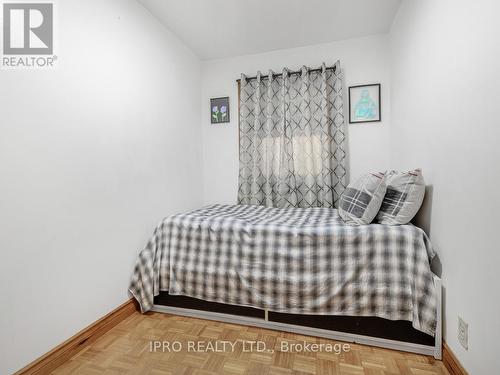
x=398 y=335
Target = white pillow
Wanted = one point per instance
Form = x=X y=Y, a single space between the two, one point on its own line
x=361 y=200
x=404 y=196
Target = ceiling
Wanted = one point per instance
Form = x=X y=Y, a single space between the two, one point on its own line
x=224 y=28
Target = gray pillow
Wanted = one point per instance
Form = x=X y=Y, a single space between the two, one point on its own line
x=404 y=196
x=361 y=200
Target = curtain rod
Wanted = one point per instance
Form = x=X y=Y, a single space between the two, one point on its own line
x=290 y=73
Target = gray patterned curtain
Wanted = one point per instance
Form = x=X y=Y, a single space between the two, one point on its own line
x=292 y=139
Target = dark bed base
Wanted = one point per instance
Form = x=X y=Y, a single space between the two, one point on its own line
x=398 y=330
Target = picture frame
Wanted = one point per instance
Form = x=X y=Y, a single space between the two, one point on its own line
x=365 y=103
x=219 y=110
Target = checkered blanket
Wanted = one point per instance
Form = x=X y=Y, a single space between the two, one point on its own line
x=294 y=260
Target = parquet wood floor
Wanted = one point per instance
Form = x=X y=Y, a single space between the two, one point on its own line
x=128 y=348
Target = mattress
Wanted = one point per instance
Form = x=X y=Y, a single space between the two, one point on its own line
x=290 y=260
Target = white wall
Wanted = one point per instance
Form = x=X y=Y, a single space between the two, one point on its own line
x=364 y=60
x=92 y=156
x=445 y=93
x=96 y=152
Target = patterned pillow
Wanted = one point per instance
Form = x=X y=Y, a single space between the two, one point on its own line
x=404 y=196
x=361 y=201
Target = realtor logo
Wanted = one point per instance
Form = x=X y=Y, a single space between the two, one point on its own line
x=28 y=35
x=28 y=29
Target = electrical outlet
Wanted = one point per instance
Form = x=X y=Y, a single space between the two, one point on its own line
x=463 y=333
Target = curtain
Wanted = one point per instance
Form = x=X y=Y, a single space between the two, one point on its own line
x=292 y=139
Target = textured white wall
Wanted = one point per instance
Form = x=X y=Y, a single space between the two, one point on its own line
x=364 y=60
x=445 y=93
x=92 y=156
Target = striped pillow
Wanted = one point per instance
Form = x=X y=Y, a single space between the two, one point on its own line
x=361 y=201
x=404 y=196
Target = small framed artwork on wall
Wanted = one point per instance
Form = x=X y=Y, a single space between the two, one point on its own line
x=364 y=103
x=219 y=110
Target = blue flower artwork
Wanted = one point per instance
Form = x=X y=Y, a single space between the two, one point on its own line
x=364 y=103
x=219 y=110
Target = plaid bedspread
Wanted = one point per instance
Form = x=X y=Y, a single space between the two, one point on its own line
x=294 y=260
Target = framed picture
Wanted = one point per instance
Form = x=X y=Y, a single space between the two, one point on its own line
x=219 y=110
x=364 y=103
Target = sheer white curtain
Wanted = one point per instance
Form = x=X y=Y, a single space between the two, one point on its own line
x=292 y=139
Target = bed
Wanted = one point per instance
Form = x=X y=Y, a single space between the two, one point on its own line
x=295 y=269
